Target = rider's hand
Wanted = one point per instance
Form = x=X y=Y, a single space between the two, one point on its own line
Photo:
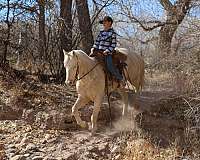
x=92 y=50
x=105 y=53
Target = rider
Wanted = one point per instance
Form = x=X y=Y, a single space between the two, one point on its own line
x=106 y=43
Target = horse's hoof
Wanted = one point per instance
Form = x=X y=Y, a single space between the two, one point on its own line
x=89 y=126
x=92 y=133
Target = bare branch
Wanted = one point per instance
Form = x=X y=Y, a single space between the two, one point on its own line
x=31 y=9
x=107 y=3
x=133 y=19
x=166 y=4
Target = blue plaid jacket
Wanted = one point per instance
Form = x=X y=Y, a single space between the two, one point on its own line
x=106 y=41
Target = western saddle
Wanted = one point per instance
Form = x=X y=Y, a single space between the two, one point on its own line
x=118 y=59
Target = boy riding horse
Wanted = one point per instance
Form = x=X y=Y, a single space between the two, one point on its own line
x=105 y=44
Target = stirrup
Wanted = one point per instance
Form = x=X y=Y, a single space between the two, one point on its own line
x=121 y=84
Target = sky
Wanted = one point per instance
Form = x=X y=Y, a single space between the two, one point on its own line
x=139 y=7
x=144 y=9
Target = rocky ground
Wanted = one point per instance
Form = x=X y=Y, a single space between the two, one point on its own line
x=36 y=124
x=24 y=142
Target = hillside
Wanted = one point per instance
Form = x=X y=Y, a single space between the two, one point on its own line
x=36 y=123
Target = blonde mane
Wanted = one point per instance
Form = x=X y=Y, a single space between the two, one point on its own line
x=81 y=54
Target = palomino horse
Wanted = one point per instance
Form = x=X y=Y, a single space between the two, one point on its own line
x=90 y=81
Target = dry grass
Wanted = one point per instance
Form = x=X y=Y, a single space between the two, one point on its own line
x=142 y=149
x=186 y=88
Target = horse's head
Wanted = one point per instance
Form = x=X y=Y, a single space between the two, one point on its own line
x=71 y=66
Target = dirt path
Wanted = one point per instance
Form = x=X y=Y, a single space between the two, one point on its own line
x=40 y=125
x=24 y=141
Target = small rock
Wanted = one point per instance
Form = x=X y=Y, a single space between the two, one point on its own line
x=48 y=158
x=9 y=155
x=53 y=140
x=116 y=149
x=11 y=146
x=95 y=155
x=38 y=158
x=47 y=136
x=103 y=147
x=49 y=149
x=31 y=146
x=70 y=156
x=46 y=139
x=17 y=139
x=93 y=149
x=28 y=129
x=11 y=150
x=23 y=142
x=36 y=154
x=90 y=148
x=18 y=157
x=26 y=155
x=43 y=141
x=117 y=157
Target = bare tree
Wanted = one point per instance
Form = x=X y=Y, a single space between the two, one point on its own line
x=174 y=16
x=66 y=29
x=175 y=13
x=42 y=36
x=84 y=25
x=7 y=40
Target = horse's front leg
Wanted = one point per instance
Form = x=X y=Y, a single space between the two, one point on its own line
x=80 y=102
x=94 y=117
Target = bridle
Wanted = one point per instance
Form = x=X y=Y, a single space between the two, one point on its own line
x=77 y=71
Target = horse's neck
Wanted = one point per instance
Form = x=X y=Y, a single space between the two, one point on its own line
x=85 y=64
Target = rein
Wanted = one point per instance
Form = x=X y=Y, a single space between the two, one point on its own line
x=77 y=71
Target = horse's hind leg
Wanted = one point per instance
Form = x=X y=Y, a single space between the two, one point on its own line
x=80 y=102
x=124 y=96
x=94 y=117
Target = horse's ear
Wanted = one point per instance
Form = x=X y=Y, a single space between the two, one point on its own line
x=68 y=53
x=72 y=53
x=64 y=52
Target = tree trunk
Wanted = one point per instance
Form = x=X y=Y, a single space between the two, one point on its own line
x=175 y=15
x=7 y=40
x=66 y=31
x=165 y=38
x=66 y=28
x=42 y=36
x=84 y=25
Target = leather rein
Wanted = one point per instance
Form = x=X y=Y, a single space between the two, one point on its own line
x=77 y=71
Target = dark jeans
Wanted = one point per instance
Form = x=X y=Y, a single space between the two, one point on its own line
x=112 y=69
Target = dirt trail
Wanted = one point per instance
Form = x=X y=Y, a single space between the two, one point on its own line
x=24 y=141
x=40 y=125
